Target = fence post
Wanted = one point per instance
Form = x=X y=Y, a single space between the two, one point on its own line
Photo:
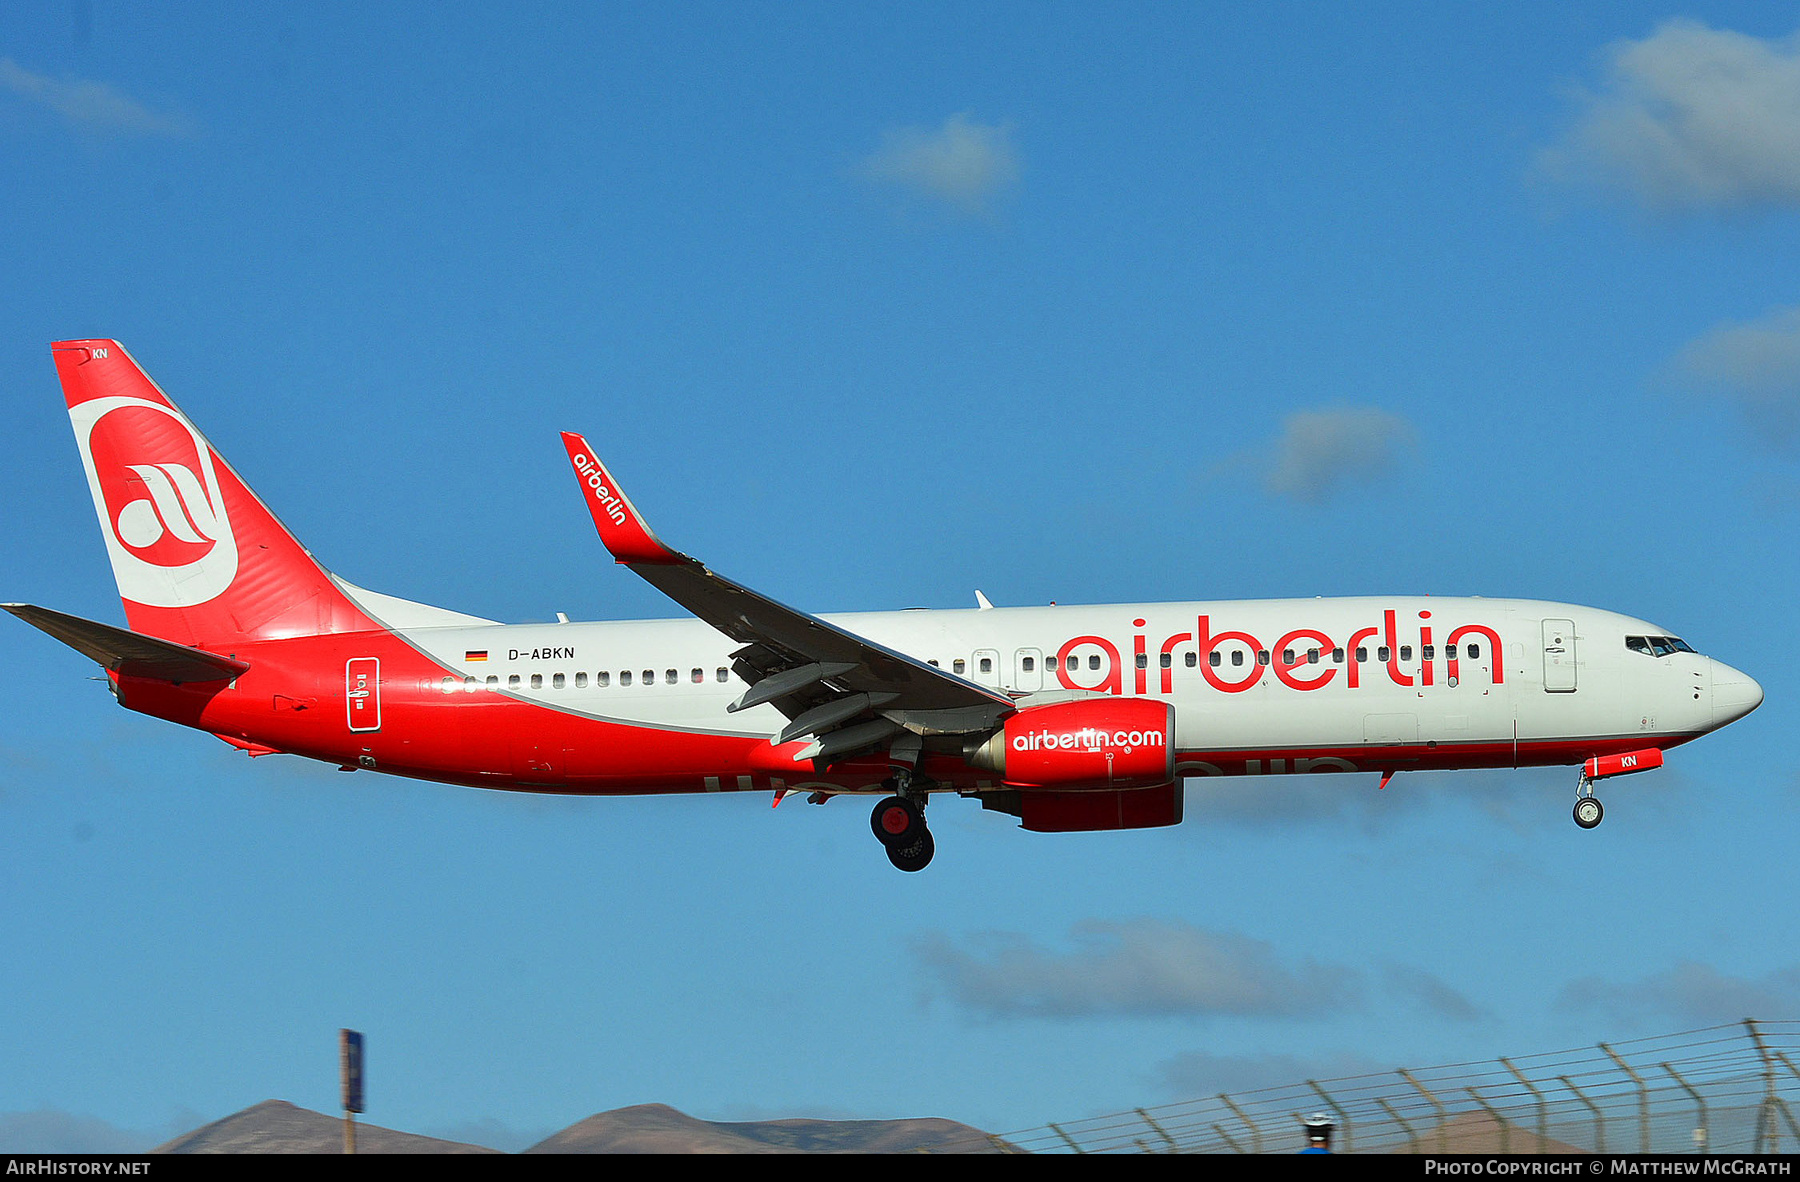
x=1543 y=1112
x=1343 y=1117
x=1505 y=1141
x=1255 y=1133
x=1705 y=1137
x=1643 y=1099
x=1412 y=1138
x=1765 y=1116
x=1443 y=1116
x=1173 y=1147
x=1599 y=1120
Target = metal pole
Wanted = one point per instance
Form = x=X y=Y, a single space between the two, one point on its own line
x=1412 y=1138
x=1443 y=1115
x=1505 y=1141
x=1701 y=1135
x=1599 y=1121
x=1343 y=1117
x=1543 y=1112
x=1057 y=1129
x=1235 y=1147
x=1158 y=1129
x=1765 y=1118
x=1255 y=1133
x=1643 y=1099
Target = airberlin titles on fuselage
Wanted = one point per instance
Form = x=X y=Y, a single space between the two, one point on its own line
x=1302 y=659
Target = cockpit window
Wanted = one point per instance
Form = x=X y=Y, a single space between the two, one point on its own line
x=1657 y=646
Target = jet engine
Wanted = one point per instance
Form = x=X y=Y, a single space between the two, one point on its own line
x=1091 y=743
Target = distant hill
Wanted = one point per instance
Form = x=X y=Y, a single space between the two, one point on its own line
x=657 y=1128
x=275 y=1126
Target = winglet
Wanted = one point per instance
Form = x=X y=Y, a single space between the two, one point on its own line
x=621 y=527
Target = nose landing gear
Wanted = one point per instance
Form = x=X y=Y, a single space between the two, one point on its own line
x=1588 y=810
x=899 y=823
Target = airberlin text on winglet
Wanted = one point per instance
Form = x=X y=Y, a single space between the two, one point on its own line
x=595 y=476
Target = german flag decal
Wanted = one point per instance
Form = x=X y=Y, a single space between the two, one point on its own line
x=479 y=654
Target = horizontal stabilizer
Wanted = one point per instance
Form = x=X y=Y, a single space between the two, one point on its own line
x=130 y=654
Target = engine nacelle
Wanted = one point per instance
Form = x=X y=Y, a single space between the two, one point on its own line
x=1091 y=743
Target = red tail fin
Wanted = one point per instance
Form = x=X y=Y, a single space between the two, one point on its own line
x=198 y=558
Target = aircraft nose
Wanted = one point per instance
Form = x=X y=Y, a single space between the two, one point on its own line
x=1734 y=694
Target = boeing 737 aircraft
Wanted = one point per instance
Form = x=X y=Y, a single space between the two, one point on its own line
x=1069 y=718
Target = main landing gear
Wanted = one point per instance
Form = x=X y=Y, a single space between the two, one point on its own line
x=1588 y=811
x=899 y=823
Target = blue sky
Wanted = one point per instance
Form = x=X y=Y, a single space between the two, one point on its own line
x=869 y=308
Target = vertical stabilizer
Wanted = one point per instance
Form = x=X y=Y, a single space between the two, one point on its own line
x=198 y=558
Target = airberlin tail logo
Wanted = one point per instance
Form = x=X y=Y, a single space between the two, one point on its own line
x=176 y=507
x=158 y=497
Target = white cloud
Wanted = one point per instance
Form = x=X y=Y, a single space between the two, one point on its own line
x=963 y=163
x=1690 y=117
x=1692 y=993
x=1321 y=452
x=1755 y=365
x=89 y=106
x=1200 y=1073
x=1139 y=968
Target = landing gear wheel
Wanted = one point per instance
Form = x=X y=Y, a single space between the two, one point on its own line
x=916 y=856
x=1588 y=812
x=897 y=822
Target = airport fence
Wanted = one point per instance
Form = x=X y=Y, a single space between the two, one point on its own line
x=1721 y=1089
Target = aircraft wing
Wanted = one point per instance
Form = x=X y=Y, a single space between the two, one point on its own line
x=129 y=653
x=826 y=679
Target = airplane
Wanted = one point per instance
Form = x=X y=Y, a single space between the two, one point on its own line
x=1067 y=718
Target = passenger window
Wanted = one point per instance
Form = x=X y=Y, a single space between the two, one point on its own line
x=1406 y=652
x=1027 y=664
x=649 y=677
x=469 y=684
x=581 y=681
x=671 y=676
x=1168 y=660
x=721 y=673
x=449 y=685
x=493 y=682
x=958 y=665
x=512 y=682
x=1429 y=650
x=602 y=679
x=1237 y=657
x=1094 y=661
x=556 y=681
x=987 y=664
x=625 y=677
x=1474 y=652
x=537 y=681
x=933 y=664
x=1312 y=656
x=1193 y=659
x=1362 y=654
x=699 y=676
x=1287 y=656
x=1262 y=657
x=1143 y=661
x=1337 y=656
x=1450 y=652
